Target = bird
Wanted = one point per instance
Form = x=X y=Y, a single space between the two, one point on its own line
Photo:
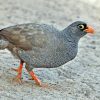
x=42 y=45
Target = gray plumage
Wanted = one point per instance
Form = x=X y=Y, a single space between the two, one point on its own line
x=41 y=45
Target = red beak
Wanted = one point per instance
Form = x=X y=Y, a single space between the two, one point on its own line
x=89 y=29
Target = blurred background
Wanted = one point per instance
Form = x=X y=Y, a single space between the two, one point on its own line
x=77 y=80
x=53 y=11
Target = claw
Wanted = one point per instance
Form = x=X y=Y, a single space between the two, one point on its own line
x=18 y=79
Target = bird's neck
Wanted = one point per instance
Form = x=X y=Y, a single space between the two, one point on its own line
x=70 y=36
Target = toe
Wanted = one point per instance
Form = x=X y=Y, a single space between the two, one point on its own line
x=17 y=80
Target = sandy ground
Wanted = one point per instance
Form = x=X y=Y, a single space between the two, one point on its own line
x=78 y=79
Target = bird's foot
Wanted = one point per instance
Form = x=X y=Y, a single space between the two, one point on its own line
x=19 y=71
x=18 y=79
x=37 y=81
x=40 y=84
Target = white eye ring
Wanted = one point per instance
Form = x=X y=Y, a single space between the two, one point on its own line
x=81 y=26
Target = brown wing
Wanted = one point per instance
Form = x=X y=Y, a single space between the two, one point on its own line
x=25 y=36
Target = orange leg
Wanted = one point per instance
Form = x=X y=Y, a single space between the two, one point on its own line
x=19 y=70
x=32 y=74
x=38 y=82
x=34 y=77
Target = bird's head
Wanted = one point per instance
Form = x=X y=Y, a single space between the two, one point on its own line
x=79 y=29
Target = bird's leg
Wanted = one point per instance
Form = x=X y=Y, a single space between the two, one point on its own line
x=34 y=77
x=37 y=80
x=19 y=70
x=32 y=74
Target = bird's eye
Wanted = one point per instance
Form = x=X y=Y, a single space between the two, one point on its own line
x=81 y=27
